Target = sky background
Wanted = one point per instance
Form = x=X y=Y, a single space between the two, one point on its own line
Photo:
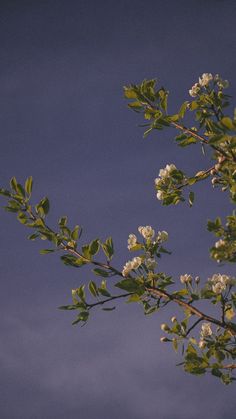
x=63 y=120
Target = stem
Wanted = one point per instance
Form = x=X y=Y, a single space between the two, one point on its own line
x=189 y=131
x=152 y=290
x=109 y=299
x=204 y=172
x=192 y=327
x=102 y=265
x=193 y=310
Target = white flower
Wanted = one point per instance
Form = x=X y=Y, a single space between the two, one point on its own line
x=132 y=241
x=186 y=279
x=173 y=319
x=163 y=173
x=206 y=330
x=194 y=90
x=202 y=344
x=150 y=263
x=197 y=279
x=127 y=268
x=160 y=195
x=205 y=79
x=158 y=181
x=162 y=236
x=130 y=265
x=220 y=243
x=218 y=288
x=219 y=283
x=147 y=232
x=136 y=262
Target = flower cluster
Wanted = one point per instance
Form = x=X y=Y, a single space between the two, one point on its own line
x=205 y=332
x=205 y=80
x=132 y=241
x=163 y=179
x=219 y=283
x=186 y=279
x=147 y=233
x=131 y=265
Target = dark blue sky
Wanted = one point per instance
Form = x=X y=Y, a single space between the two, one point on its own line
x=63 y=120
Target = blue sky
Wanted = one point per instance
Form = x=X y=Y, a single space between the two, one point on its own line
x=64 y=120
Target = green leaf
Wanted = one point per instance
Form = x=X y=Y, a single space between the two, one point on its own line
x=130 y=285
x=4 y=192
x=81 y=292
x=183 y=109
x=175 y=344
x=70 y=260
x=104 y=292
x=13 y=184
x=188 y=141
x=82 y=317
x=86 y=252
x=130 y=93
x=29 y=185
x=94 y=247
x=230 y=313
x=133 y=298
x=227 y=122
x=68 y=307
x=75 y=233
x=101 y=272
x=20 y=190
x=44 y=203
x=108 y=248
x=93 y=288
x=45 y=251
x=33 y=236
x=62 y=221
x=22 y=217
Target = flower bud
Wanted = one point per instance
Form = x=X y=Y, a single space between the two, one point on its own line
x=173 y=319
x=197 y=279
x=165 y=327
x=164 y=339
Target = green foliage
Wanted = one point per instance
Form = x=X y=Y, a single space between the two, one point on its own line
x=207 y=344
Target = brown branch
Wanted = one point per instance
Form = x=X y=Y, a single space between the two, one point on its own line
x=189 y=131
x=229 y=367
x=192 y=327
x=192 y=309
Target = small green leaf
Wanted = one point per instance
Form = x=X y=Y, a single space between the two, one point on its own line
x=45 y=251
x=101 y=272
x=108 y=248
x=227 y=122
x=130 y=285
x=93 y=288
x=4 y=192
x=75 y=233
x=29 y=185
x=13 y=184
x=94 y=247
